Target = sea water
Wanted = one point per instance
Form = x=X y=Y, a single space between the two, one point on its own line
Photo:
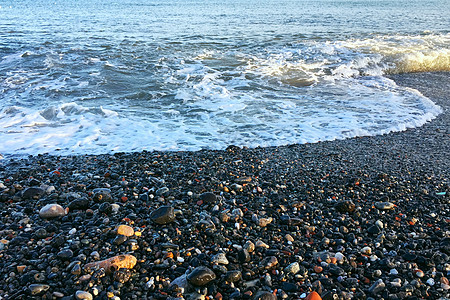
x=80 y=76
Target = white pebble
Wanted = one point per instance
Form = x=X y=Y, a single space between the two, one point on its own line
x=430 y=281
x=393 y=272
x=72 y=231
x=339 y=256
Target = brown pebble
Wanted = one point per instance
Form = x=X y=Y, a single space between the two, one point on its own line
x=126 y=261
x=125 y=230
x=318 y=269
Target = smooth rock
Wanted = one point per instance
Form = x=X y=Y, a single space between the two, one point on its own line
x=125 y=230
x=37 y=289
x=33 y=193
x=208 y=198
x=263 y=295
x=83 y=295
x=52 y=211
x=163 y=215
x=384 y=205
x=201 y=276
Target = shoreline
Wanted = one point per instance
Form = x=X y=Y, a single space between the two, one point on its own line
x=316 y=208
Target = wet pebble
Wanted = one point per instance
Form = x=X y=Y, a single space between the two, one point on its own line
x=201 y=276
x=50 y=211
x=163 y=215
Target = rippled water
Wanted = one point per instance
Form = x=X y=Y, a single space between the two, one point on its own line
x=96 y=77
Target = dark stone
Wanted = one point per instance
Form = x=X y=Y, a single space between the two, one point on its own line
x=120 y=239
x=65 y=254
x=80 y=203
x=289 y=287
x=33 y=193
x=374 y=229
x=345 y=206
x=233 y=276
x=208 y=197
x=105 y=208
x=163 y=215
x=40 y=233
x=102 y=195
x=201 y=276
x=243 y=256
x=262 y=295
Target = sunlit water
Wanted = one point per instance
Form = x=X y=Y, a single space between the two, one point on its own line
x=97 y=77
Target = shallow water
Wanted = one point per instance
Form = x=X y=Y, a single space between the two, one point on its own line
x=96 y=77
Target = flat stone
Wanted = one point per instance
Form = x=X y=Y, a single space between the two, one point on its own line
x=384 y=205
x=52 y=211
x=125 y=230
x=163 y=215
x=33 y=193
x=201 y=276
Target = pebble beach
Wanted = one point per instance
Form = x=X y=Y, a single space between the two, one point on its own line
x=361 y=218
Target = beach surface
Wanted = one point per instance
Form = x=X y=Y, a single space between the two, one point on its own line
x=357 y=218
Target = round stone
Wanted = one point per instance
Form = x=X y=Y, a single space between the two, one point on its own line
x=52 y=211
x=125 y=230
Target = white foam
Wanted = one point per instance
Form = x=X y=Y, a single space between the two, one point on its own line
x=308 y=92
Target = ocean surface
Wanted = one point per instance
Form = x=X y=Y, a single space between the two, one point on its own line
x=92 y=77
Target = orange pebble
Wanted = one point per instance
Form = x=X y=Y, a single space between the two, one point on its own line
x=313 y=296
x=318 y=269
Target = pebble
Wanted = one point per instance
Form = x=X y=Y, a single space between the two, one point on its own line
x=313 y=296
x=114 y=263
x=82 y=295
x=293 y=268
x=377 y=287
x=125 y=230
x=33 y=193
x=220 y=258
x=208 y=198
x=201 y=276
x=346 y=206
x=50 y=211
x=262 y=295
x=384 y=205
x=37 y=289
x=163 y=215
